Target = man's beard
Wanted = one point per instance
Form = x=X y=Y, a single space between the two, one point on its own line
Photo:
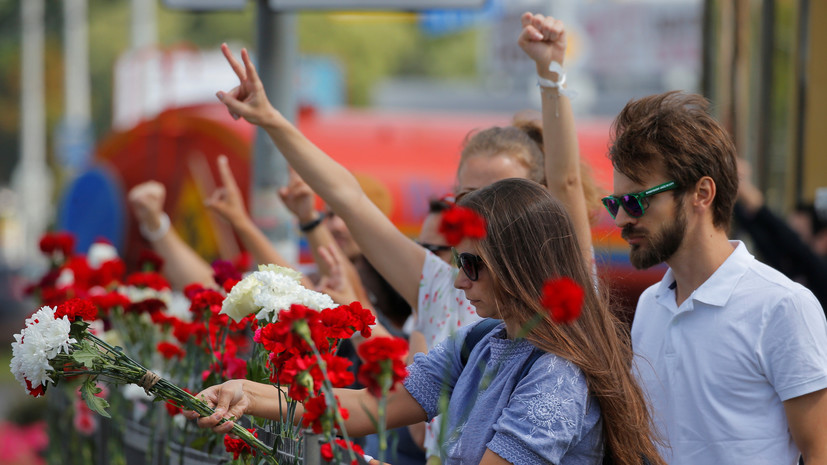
x=659 y=247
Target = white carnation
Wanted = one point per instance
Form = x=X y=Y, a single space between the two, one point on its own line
x=268 y=291
x=179 y=307
x=280 y=291
x=66 y=278
x=100 y=252
x=240 y=302
x=289 y=272
x=137 y=294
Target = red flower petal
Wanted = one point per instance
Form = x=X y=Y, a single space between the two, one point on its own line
x=563 y=298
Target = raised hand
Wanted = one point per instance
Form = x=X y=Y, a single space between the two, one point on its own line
x=248 y=100
x=335 y=283
x=147 y=201
x=543 y=39
x=299 y=198
x=227 y=200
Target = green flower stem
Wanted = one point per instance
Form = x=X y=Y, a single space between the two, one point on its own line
x=330 y=396
x=129 y=371
x=386 y=379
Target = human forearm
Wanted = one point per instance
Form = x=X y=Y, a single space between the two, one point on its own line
x=381 y=242
x=562 y=160
x=182 y=265
x=401 y=410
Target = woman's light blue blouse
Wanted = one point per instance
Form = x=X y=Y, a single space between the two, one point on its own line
x=546 y=417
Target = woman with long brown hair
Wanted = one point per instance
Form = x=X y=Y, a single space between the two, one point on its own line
x=530 y=240
x=562 y=393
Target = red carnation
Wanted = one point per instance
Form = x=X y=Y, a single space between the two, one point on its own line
x=318 y=416
x=223 y=271
x=237 y=446
x=207 y=302
x=148 y=279
x=172 y=409
x=106 y=302
x=229 y=284
x=109 y=271
x=62 y=242
x=459 y=223
x=339 y=322
x=146 y=306
x=563 y=298
x=150 y=261
x=169 y=350
x=191 y=290
x=363 y=318
x=77 y=309
x=327 y=449
x=383 y=365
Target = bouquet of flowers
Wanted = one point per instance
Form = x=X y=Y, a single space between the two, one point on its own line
x=298 y=334
x=56 y=344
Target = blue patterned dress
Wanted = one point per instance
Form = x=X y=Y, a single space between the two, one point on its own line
x=547 y=416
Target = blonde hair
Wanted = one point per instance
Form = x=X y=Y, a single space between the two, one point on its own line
x=523 y=141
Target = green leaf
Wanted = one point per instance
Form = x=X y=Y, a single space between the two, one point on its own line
x=95 y=403
x=86 y=355
x=199 y=443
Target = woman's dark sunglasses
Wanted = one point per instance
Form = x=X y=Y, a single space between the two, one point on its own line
x=434 y=248
x=468 y=263
x=633 y=204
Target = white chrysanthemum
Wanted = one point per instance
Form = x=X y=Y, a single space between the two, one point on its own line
x=240 y=302
x=100 y=252
x=43 y=338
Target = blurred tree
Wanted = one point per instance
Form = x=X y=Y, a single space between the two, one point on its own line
x=369 y=47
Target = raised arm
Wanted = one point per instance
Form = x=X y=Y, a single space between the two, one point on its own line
x=543 y=39
x=299 y=198
x=396 y=257
x=228 y=203
x=182 y=265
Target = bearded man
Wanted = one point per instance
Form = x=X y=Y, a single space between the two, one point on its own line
x=732 y=354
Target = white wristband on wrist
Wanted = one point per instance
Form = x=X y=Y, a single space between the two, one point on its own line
x=556 y=67
x=153 y=236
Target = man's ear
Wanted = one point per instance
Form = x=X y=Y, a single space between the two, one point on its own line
x=704 y=193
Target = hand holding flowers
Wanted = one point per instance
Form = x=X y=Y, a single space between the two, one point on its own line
x=56 y=344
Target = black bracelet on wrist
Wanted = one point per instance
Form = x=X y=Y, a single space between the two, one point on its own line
x=311 y=225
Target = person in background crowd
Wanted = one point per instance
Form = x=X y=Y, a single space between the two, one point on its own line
x=182 y=265
x=797 y=247
x=732 y=354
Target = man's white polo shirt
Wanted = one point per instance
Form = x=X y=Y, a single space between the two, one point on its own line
x=718 y=367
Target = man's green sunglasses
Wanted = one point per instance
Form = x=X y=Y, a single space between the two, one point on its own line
x=633 y=203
